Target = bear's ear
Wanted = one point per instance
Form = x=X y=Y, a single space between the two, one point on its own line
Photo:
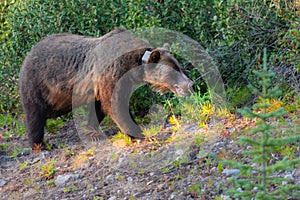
x=166 y=47
x=154 y=56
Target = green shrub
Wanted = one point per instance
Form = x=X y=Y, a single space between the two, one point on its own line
x=231 y=31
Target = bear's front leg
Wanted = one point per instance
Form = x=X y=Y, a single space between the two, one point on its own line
x=126 y=124
x=120 y=108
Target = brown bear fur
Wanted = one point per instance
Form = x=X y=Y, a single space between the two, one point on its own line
x=64 y=71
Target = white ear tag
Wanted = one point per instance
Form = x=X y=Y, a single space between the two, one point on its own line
x=146 y=57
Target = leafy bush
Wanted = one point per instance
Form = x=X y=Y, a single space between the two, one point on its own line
x=231 y=31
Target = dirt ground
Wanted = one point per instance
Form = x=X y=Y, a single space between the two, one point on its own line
x=181 y=164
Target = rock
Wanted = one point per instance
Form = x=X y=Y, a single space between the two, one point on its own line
x=2 y=182
x=32 y=159
x=296 y=174
x=255 y=189
x=6 y=162
x=25 y=152
x=225 y=197
x=62 y=179
x=289 y=178
x=112 y=198
x=109 y=179
x=129 y=179
x=172 y=196
x=231 y=130
x=212 y=170
x=179 y=152
x=231 y=172
x=192 y=128
x=30 y=192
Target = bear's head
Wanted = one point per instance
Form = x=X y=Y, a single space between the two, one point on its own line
x=164 y=72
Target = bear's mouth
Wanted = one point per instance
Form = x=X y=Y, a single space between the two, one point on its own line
x=179 y=91
x=176 y=89
x=183 y=91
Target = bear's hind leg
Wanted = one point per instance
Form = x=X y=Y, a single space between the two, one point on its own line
x=35 y=122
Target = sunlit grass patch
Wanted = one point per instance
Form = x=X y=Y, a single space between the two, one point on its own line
x=121 y=140
x=151 y=131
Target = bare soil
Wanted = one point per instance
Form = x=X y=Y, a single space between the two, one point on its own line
x=182 y=164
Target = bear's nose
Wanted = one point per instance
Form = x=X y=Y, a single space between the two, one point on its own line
x=190 y=85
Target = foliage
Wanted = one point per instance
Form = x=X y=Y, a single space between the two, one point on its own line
x=48 y=169
x=82 y=159
x=11 y=125
x=53 y=125
x=232 y=31
x=239 y=96
x=151 y=131
x=121 y=137
x=257 y=176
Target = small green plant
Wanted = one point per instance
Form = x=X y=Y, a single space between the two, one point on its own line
x=66 y=190
x=37 y=188
x=196 y=107
x=180 y=161
x=11 y=125
x=27 y=181
x=97 y=198
x=82 y=159
x=220 y=167
x=53 y=125
x=195 y=190
x=199 y=139
x=114 y=156
x=48 y=169
x=208 y=161
x=120 y=177
x=74 y=188
x=238 y=96
x=48 y=146
x=16 y=151
x=50 y=182
x=121 y=136
x=152 y=131
x=91 y=152
x=164 y=170
x=60 y=144
x=3 y=146
x=23 y=165
x=69 y=152
x=257 y=179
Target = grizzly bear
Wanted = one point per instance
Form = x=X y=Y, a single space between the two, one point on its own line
x=65 y=71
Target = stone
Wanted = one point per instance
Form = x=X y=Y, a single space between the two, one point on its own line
x=231 y=172
x=29 y=193
x=2 y=182
x=62 y=179
x=112 y=198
